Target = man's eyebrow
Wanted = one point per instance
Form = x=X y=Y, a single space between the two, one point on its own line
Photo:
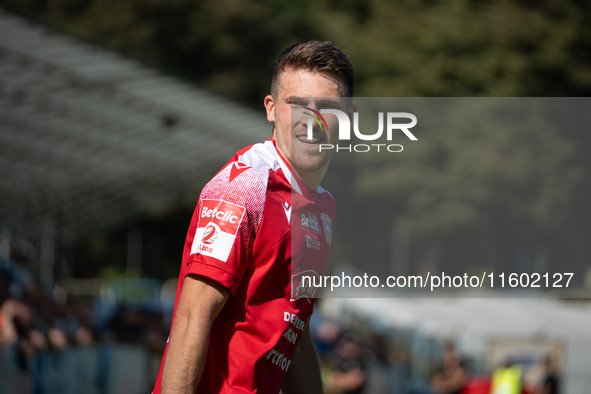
x=296 y=98
x=335 y=101
x=319 y=100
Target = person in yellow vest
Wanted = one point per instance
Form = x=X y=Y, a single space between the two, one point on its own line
x=506 y=380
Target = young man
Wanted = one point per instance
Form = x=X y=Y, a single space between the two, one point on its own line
x=241 y=314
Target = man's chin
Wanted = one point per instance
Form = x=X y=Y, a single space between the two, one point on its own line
x=309 y=164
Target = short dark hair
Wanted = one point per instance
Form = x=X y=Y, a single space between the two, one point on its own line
x=317 y=56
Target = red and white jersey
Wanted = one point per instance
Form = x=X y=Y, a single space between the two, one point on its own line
x=258 y=231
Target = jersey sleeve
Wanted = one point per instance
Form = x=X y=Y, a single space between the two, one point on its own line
x=228 y=218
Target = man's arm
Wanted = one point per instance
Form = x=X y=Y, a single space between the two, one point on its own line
x=200 y=302
x=303 y=375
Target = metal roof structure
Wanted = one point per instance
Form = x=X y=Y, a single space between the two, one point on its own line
x=90 y=139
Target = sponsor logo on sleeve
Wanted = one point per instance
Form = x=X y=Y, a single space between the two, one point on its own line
x=217 y=229
x=278 y=359
x=302 y=284
x=295 y=320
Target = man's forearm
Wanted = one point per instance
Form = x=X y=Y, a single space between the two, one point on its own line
x=303 y=376
x=200 y=302
x=185 y=356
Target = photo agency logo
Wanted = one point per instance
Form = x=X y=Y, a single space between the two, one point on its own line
x=392 y=120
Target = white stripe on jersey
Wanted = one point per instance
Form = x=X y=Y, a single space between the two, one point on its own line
x=261 y=156
x=266 y=155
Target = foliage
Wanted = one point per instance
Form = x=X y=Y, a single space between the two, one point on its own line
x=400 y=48
x=462 y=178
x=477 y=161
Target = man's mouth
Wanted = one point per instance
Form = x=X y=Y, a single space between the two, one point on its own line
x=305 y=139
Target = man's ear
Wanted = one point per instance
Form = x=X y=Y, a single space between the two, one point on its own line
x=351 y=110
x=270 y=107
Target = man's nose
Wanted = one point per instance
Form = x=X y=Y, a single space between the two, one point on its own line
x=312 y=104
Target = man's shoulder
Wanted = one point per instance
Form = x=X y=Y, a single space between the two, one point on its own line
x=261 y=156
x=245 y=177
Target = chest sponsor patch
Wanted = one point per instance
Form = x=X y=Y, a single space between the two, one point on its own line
x=217 y=229
x=310 y=221
x=312 y=243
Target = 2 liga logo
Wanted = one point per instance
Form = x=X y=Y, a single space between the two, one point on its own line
x=210 y=234
x=217 y=229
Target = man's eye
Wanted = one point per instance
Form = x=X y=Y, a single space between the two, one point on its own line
x=328 y=106
x=297 y=103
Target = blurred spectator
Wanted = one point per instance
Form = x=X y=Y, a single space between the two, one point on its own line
x=326 y=336
x=139 y=326
x=84 y=336
x=57 y=339
x=452 y=376
x=8 y=334
x=506 y=379
x=349 y=376
x=551 y=383
x=379 y=350
x=47 y=335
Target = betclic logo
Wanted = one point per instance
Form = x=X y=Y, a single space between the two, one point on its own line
x=217 y=228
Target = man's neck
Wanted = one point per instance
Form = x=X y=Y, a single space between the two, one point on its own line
x=311 y=179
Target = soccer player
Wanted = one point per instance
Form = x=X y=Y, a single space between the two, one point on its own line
x=240 y=323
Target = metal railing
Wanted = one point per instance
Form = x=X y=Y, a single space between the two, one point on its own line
x=98 y=369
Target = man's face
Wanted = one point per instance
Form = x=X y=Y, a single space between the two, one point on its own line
x=298 y=89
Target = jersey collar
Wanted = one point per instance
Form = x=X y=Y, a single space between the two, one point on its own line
x=296 y=183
